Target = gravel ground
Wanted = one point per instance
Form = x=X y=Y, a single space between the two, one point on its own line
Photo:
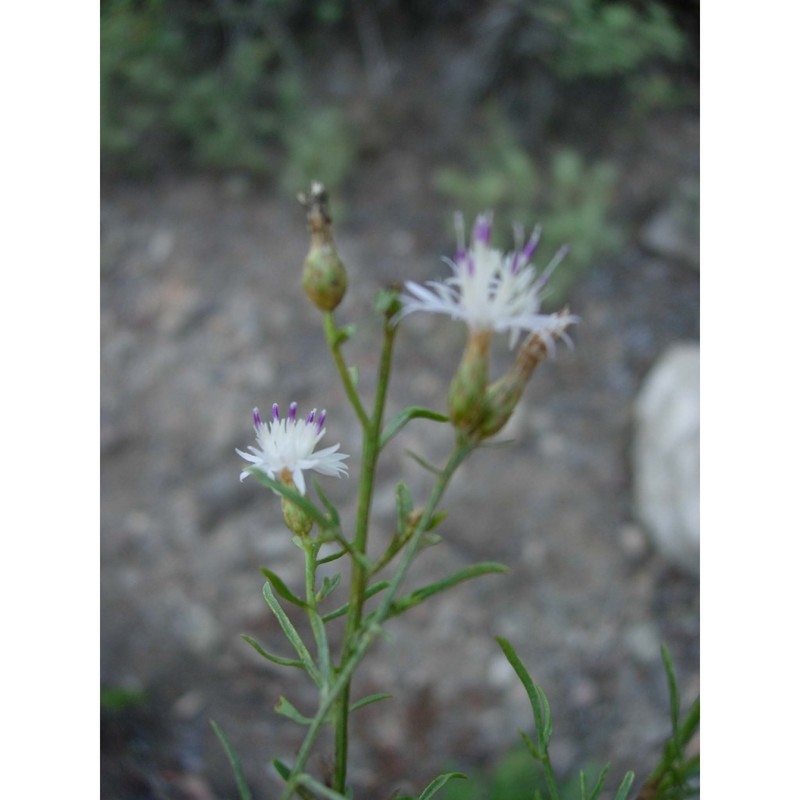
x=203 y=317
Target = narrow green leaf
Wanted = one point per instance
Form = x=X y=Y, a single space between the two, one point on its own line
x=281 y=769
x=241 y=784
x=285 y=708
x=530 y=688
x=291 y=634
x=674 y=698
x=342 y=610
x=419 y=595
x=403 y=417
x=582 y=781
x=332 y=557
x=326 y=501
x=423 y=463
x=290 y=494
x=690 y=724
x=343 y=334
x=531 y=746
x=319 y=789
x=625 y=786
x=282 y=589
x=328 y=585
x=405 y=505
x=436 y=784
x=284 y=662
x=598 y=784
x=372 y=698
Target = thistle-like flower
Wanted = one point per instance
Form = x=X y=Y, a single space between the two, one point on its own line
x=285 y=447
x=492 y=291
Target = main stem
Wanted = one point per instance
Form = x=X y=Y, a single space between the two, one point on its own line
x=363 y=640
x=358 y=580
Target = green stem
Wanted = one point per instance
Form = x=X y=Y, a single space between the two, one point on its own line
x=368 y=633
x=332 y=335
x=317 y=625
x=360 y=573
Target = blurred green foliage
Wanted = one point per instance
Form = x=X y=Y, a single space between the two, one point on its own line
x=601 y=39
x=219 y=86
x=573 y=198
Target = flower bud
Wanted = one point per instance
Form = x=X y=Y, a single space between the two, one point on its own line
x=504 y=394
x=468 y=387
x=297 y=521
x=324 y=275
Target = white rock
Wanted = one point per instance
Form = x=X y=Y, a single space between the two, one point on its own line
x=666 y=455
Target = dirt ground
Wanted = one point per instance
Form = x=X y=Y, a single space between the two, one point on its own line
x=203 y=317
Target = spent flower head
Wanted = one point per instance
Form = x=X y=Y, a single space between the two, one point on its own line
x=490 y=290
x=285 y=447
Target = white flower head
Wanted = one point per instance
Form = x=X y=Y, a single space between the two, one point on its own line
x=490 y=290
x=286 y=447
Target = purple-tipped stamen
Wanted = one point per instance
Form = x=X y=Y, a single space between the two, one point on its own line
x=483 y=229
x=292 y=411
x=321 y=420
x=470 y=265
x=275 y=413
x=310 y=419
x=256 y=418
x=533 y=243
x=548 y=271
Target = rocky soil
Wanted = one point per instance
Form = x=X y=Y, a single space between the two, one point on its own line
x=203 y=317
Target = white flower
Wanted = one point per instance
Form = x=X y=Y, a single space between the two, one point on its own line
x=490 y=290
x=285 y=447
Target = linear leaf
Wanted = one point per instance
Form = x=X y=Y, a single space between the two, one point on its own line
x=319 y=789
x=403 y=417
x=282 y=589
x=290 y=494
x=419 y=595
x=284 y=662
x=424 y=463
x=531 y=746
x=328 y=585
x=332 y=557
x=291 y=634
x=625 y=786
x=437 y=783
x=405 y=505
x=530 y=688
x=244 y=791
x=342 y=610
x=598 y=784
x=285 y=708
x=372 y=698
x=674 y=698
x=326 y=501
x=281 y=769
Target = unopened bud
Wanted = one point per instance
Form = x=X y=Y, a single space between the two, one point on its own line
x=297 y=521
x=324 y=275
x=468 y=387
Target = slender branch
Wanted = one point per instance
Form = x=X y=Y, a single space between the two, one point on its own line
x=317 y=625
x=332 y=335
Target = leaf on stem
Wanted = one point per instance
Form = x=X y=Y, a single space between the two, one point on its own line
x=241 y=784
x=291 y=634
x=419 y=595
x=341 y=335
x=319 y=789
x=541 y=712
x=423 y=463
x=290 y=494
x=342 y=610
x=328 y=585
x=282 y=589
x=405 y=505
x=625 y=786
x=284 y=662
x=285 y=708
x=329 y=506
x=433 y=787
x=598 y=784
x=403 y=417
x=372 y=698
